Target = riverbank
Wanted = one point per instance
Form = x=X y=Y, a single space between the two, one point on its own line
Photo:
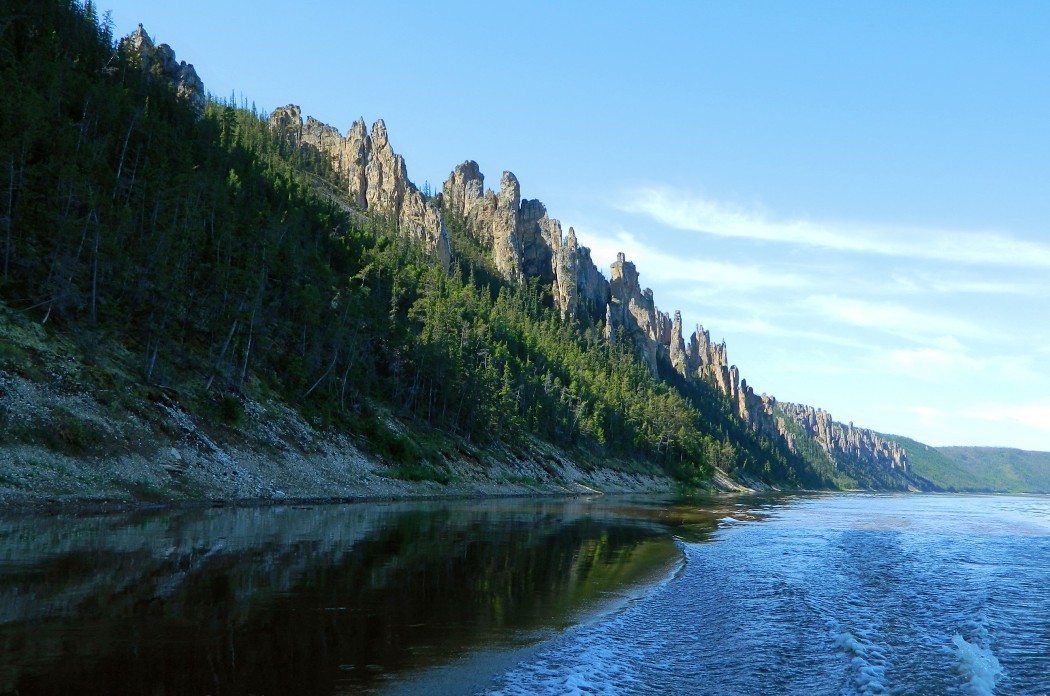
x=68 y=446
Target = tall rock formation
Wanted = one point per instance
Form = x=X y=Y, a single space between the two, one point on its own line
x=660 y=340
x=837 y=439
x=375 y=177
x=159 y=61
x=632 y=309
x=524 y=241
x=707 y=361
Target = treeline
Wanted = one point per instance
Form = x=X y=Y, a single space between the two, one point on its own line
x=199 y=245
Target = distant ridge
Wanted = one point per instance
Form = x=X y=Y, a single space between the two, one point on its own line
x=1003 y=469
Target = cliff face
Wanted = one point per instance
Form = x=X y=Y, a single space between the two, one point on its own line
x=525 y=243
x=632 y=309
x=375 y=177
x=837 y=439
x=159 y=60
x=783 y=420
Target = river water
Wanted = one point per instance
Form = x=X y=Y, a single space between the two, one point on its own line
x=832 y=594
x=847 y=594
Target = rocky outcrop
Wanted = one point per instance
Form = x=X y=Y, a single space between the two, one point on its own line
x=524 y=241
x=159 y=61
x=786 y=421
x=632 y=309
x=707 y=361
x=839 y=440
x=632 y=314
x=492 y=218
x=374 y=176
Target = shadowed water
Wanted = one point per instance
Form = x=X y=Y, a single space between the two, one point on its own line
x=322 y=599
x=832 y=594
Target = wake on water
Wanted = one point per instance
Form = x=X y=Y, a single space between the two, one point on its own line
x=977 y=665
x=803 y=610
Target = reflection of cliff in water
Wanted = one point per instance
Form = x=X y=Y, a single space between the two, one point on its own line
x=314 y=600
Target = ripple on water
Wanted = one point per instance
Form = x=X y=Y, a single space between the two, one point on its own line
x=840 y=595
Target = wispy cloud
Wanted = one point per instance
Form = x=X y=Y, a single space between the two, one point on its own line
x=950 y=363
x=1030 y=415
x=887 y=317
x=686 y=211
x=720 y=274
x=925 y=415
x=929 y=364
x=762 y=327
x=926 y=283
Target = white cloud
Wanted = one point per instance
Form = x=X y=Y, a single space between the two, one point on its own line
x=685 y=211
x=949 y=362
x=925 y=283
x=1029 y=415
x=672 y=267
x=930 y=364
x=761 y=327
x=890 y=318
x=926 y=415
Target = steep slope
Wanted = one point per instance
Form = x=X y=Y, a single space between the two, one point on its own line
x=523 y=244
x=1001 y=469
x=196 y=261
x=183 y=293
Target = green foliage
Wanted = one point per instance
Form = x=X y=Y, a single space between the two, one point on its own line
x=932 y=465
x=231 y=411
x=147 y=491
x=61 y=431
x=996 y=469
x=200 y=246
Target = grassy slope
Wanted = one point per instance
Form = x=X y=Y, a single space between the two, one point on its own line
x=979 y=469
x=932 y=465
x=1001 y=468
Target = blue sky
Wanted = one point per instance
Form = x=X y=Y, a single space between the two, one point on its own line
x=855 y=196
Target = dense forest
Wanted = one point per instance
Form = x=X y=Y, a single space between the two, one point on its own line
x=200 y=246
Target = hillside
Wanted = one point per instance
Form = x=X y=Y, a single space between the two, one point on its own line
x=189 y=286
x=1002 y=469
x=978 y=469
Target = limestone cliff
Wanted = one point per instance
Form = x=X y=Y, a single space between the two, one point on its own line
x=837 y=439
x=524 y=241
x=632 y=309
x=159 y=60
x=787 y=421
x=375 y=177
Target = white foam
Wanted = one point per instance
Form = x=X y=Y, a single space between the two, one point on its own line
x=868 y=663
x=977 y=665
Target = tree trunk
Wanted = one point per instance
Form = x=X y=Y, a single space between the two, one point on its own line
x=9 y=218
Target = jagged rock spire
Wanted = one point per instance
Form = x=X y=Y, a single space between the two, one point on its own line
x=375 y=177
x=159 y=60
x=526 y=243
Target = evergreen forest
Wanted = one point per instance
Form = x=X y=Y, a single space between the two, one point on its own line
x=204 y=259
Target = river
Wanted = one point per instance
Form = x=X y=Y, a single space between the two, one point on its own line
x=802 y=594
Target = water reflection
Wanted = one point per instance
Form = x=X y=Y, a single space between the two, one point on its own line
x=324 y=599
